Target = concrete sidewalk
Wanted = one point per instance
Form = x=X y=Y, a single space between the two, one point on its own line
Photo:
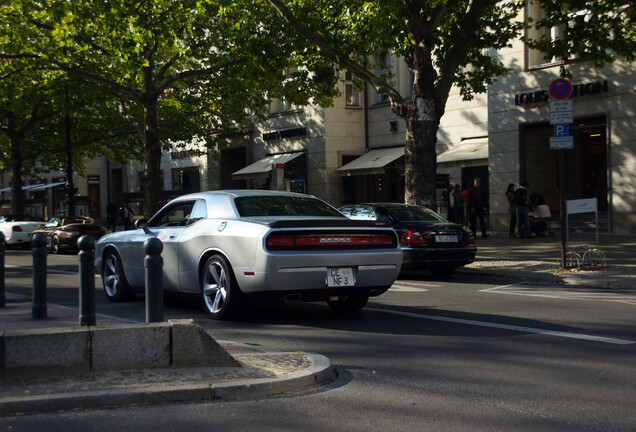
x=259 y=372
x=539 y=259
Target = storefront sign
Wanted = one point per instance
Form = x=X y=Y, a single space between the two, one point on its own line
x=538 y=96
x=285 y=133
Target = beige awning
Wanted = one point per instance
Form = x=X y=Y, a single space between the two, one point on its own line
x=262 y=168
x=467 y=150
x=372 y=162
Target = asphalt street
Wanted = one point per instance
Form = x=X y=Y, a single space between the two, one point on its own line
x=467 y=353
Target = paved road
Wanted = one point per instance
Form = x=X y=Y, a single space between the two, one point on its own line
x=465 y=354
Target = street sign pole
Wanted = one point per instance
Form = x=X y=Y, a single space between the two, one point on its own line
x=560 y=91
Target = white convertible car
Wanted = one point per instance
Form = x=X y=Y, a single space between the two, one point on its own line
x=18 y=229
x=231 y=246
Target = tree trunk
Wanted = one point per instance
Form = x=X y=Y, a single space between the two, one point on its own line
x=153 y=187
x=420 y=162
x=17 y=196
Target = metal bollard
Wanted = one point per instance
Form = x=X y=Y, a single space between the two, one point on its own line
x=86 y=246
x=40 y=246
x=3 y=248
x=154 y=280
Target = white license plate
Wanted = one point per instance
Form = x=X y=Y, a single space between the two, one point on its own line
x=340 y=276
x=446 y=238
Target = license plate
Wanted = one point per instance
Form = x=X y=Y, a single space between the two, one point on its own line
x=340 y=276
x=446 y=238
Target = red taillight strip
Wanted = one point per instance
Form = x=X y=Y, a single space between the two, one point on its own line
x=413 y=237
x=17 y=228
x=284 y=240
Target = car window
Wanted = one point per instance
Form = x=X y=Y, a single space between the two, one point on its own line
x=54 y=223
x=176 y=214
x=251 y=206
x=363 y=213
x=199 y=211
x=413 y=214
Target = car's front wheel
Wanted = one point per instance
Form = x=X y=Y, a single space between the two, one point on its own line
x=221 y=294
x=348 y=304
x=115 y=284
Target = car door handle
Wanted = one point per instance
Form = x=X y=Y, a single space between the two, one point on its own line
x=172 y=236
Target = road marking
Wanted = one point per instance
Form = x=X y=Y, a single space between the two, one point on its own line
x=565 y=294
x=507 y=327
x=410 y=286
x=48 y=270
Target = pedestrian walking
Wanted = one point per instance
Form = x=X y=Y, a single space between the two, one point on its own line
x=512 y=210
x=476 y=205
x=111 y=215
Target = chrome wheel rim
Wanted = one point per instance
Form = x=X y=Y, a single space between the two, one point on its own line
x=56 y=245
x=111 y=275
x=215 y=287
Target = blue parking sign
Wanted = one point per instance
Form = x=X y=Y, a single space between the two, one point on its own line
x=561 y=130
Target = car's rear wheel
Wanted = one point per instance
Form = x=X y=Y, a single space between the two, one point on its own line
x=55 y=245
x=220 y=292
x=348 y=304
x=442 y=271
x=115 y=284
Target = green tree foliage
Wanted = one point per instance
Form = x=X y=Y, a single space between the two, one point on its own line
x=446 y=43
x=179 y=69
x=35 y=102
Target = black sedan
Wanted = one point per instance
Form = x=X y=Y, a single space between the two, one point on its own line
x=427 y=239
x=62 y=233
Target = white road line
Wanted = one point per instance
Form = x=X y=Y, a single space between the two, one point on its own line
x=559 y=293
x=507 y=327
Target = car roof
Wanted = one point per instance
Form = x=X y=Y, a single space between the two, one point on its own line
x=235 y=193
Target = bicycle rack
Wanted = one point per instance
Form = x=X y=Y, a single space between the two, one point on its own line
x=585 y=257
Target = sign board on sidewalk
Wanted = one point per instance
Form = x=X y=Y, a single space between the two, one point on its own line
x=561 y=112
x=587 y=205
x=561 y=130
x=559 y=143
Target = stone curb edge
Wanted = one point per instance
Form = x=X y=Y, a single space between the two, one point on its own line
x=321 y=372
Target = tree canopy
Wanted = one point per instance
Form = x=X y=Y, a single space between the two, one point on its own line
x=449 y=43
x=177 y=69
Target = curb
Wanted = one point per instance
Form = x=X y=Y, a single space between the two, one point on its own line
x=320 y=372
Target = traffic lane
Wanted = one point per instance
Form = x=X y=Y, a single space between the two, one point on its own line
x=462 y=299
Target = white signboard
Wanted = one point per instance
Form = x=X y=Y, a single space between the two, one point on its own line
x=558 y=143
x=561 y=111
x=588 y=205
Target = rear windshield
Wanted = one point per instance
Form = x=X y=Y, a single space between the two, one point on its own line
x=251 y=206
x=413 y=214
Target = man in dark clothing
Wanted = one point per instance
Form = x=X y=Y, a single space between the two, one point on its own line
x=520 y=199
x=111 y=215
x=476 y=205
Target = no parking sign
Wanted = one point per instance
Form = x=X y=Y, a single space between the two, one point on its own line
x=560 y=89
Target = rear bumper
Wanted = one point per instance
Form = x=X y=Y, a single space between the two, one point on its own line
x=448 y=257
x=286 y=273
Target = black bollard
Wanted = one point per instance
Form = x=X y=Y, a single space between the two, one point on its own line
x=3 y=247
x=86 y=246
x=40 y=246
x=154 y=280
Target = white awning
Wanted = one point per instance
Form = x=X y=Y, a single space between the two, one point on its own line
x=470 y=149
x=372 y=162
x=263 y=167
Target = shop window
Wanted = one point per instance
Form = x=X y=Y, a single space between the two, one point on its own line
x=186 y=180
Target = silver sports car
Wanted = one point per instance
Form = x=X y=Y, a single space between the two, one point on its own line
x=231 y=246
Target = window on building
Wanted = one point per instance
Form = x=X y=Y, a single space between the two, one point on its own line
x=535 y=14
x=186 y=180
x=279 y=106
x=352 y=93
x=382 y=70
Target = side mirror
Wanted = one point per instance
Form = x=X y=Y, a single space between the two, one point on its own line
x=140 y=222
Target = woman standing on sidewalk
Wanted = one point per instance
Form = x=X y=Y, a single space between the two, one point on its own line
x=512 y=210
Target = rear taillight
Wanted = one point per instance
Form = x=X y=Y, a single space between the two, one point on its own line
x=412 y=237
x=17 y=228
x=471 y=237
x=300 y=241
